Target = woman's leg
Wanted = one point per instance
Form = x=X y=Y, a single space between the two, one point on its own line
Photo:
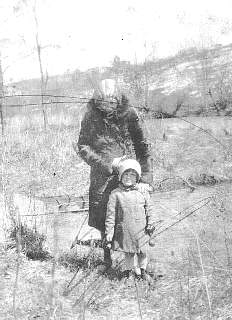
x=128 y=264
x=129 y=261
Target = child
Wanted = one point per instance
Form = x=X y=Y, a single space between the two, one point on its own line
x=129 y=217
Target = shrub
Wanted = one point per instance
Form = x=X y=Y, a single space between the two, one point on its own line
x=31 y=242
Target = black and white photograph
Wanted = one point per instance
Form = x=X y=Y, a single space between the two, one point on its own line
x=116 y=160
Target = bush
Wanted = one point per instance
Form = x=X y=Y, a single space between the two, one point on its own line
x=31 y=242
x=85 y=259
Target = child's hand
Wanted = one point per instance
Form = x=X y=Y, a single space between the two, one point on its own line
x=150 y=229
x=143 y=187
x=108 y=245
x=108 y=241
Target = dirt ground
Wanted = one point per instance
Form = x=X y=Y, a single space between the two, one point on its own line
x=191 y=257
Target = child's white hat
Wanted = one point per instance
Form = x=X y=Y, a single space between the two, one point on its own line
x=129 y=164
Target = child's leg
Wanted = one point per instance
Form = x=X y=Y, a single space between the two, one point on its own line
x=142 y=260
x=136 y=265
x=129 y=260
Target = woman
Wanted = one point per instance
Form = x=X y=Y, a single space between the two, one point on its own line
x=110 y=130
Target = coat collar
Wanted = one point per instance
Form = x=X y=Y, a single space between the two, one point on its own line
x=111 y=110
x=122 y=187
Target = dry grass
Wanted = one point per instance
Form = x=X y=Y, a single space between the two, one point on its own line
x=39 y=162
x=195 y=256
x=180 y=294
x=181 y=149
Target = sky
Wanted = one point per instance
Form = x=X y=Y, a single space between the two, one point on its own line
x=83 y=34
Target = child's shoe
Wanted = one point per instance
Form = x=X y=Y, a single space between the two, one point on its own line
x=152 y=242
x=144 y=275
x=126 y=274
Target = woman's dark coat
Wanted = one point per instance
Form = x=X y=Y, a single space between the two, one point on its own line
x=108 y=132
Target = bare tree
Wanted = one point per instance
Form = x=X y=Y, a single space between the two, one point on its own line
x=43 y=77
x=221 y=92
x=1 y=96
x=20 y=5
x=146 y=88
x=203 y=70
x=3 y=43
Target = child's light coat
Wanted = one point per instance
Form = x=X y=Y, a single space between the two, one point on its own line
x=128 y=213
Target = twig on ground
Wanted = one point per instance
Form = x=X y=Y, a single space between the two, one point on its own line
x=204 y=277
x=55 y=238
x=66 y=291
x=138 y=300
x=78 y=233
x=18 y=243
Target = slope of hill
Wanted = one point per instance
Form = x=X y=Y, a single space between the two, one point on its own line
x=194 y=81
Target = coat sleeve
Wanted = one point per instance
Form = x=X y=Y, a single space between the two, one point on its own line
x=84 y=146
x=140 y=146
x=110 y=215
x=149 y=209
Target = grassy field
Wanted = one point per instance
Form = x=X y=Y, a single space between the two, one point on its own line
x=38 y=162
x=194 y=257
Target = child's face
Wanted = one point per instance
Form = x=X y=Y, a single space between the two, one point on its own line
x=129 y=178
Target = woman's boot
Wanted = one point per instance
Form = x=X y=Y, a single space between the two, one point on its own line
x=107 y=257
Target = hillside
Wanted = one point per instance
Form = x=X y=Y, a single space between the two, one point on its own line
x=195 y=81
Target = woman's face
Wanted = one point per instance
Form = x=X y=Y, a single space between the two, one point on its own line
x=129 y=178
x=108 y=104
x=108 y=87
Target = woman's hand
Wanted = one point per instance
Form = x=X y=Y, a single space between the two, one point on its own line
x=116 y=162
x=109 y=238
x=143 y=187
x=150 y=229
